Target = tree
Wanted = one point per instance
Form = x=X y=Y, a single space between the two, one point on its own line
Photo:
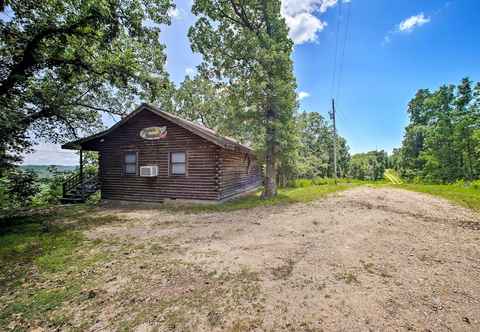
x=66 y=62
x=245 y=44
x=21 y=186
x=316 y=153
x=368 y=166
x=202 y=101
x=441 y=140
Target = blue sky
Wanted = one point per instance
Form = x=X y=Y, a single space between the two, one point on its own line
x=392 y=49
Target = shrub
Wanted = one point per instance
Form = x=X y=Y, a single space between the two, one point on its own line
x=475 y=184
x=320 y=181
x=94 y=199
x=299 y=183
x=51 y=189
x=461 y=183
x=21 y=186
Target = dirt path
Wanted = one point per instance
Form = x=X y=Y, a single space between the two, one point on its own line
x=365 y=259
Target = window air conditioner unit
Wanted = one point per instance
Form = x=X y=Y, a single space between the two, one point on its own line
x=148 y=171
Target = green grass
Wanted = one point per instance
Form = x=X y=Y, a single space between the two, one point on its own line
x=392 y=176
x=464 y=195
x=285 y=196
x=34 y=250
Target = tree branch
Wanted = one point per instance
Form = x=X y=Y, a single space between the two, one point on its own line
x=23 y=69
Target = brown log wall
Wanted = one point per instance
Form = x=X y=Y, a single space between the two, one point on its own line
x=201 y=181
x=238 y=172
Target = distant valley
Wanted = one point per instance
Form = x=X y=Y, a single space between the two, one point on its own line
x=43 y=171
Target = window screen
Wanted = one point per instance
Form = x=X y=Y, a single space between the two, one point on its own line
x=178 y=163
x=130 y=163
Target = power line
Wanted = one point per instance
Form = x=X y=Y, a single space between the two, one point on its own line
x=337 y=32
x=342 y=58
x=339 y=59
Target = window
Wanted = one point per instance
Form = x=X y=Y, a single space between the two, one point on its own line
x=178 y=163
x=130 y=163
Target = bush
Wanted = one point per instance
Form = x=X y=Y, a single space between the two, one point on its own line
x=300 y=183
x=476 y=184
x=20 y=187
x=320 y=181
x=461 y=183
x=94 y=199
x=51 y=189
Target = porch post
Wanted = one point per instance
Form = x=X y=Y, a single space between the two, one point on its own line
x=81 y=173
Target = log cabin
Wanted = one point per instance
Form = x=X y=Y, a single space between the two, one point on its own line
x=154 y=156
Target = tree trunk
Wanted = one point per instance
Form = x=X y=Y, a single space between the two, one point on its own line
x=270 y=189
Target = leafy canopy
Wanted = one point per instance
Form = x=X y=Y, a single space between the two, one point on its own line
x=245 y=45
x=441 y=143
x=65 y=62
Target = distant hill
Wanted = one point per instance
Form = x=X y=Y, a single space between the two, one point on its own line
x=43 y=172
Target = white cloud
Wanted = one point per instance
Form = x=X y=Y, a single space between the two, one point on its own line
x=407 y=25
x=304 y=27
x=303 y=95
x=301 y=18
x=176 y=14
x=189 y=71
x=412 y=22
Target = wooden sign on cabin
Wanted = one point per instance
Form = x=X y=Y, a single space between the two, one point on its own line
x=153 y=133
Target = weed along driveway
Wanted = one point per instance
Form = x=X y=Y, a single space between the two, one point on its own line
x=362 y=259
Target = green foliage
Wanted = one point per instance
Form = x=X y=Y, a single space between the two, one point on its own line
x=300 y=183
x=476 y=184
x=65 y=62
x=94 y=199
x=245 y=45
x=32 y=249
x=317 y=181
x=19 y=187
x=51 y=188
x=22 y=188
x=368 y=166
x=316 y=148
x=441 y=142
x=45 y=171
x=203 y=101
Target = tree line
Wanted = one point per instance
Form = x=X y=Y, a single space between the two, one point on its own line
x=442 y=140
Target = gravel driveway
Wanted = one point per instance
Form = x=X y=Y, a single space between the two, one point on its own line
x=364 y=259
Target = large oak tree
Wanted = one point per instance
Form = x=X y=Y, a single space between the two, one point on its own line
x=65 y=62
x=245 y=45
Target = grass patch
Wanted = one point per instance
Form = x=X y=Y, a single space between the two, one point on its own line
x=285 y=196
x=467 y=196
x=37 y=250
x=392 y=176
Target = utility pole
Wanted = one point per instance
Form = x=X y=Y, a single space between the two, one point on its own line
x=332 y=115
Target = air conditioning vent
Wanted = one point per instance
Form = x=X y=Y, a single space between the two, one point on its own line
x=148 y=171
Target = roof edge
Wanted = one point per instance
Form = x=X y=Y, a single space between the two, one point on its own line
x=198 y=130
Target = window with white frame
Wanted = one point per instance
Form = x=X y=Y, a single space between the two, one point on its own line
x=130 y=162
x=178 y=163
